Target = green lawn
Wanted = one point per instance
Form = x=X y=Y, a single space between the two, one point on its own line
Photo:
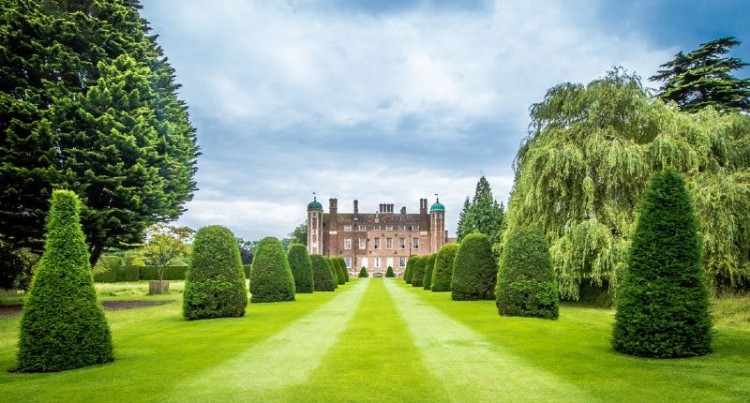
x=379 y=340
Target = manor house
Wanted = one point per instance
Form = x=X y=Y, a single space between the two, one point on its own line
x=375 y=240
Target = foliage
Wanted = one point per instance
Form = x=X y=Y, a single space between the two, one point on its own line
x=389 y=272
x=89 y=103
x=474 y=270
x=301 y=266
x=583 y=168
x=339 y=269
x=363 y=272
x=409 y=271
x=663 y=309
x=343 y=267
x=166 y=244
x=16 y=267
x=174 y=272
x=525 y=279
x=271 y=278
x=484 y=214
x=703 y=78
x=106 y=269
x=428 y=270
x=63 y=327
x=418 y=269
x=334 y=271
x=214 y=284
x=299 y=234
x=443 y=271
x=246 y=250
x=323 y=279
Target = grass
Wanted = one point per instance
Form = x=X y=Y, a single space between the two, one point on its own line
x=381 y=340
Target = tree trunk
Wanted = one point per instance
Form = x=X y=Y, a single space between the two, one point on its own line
x=158 y=287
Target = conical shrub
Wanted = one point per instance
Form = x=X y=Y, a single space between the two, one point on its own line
x=443 y=271
x=363 y=272
x=428 y=269
x=271 y=279
x=322 y=275
x=474 y=270
x=418 y=276
x=301 y=265
x=63 y=326
x=215 y=281
x=526 y=283
x=389 y=272
x=334 y=272
x=338 y=265
x=409 y=271
x=663 y=306
x=343 y=267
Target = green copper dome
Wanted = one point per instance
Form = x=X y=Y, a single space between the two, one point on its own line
x=315 y=205
x=437 y=206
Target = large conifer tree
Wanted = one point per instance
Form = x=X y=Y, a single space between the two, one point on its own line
x=484 y=214
x=663 y=308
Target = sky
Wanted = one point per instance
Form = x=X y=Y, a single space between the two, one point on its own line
x=390 y=101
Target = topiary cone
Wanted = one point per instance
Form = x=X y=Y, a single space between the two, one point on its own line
x=271 y=278
x=301 y=265
x=474 y=270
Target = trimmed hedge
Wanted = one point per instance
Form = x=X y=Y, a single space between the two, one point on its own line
x=363 y=272
x=170 y=273
x=409 y=271
x=301 y=265
x=107 y=269
x=663 y=305
x=417 y=277
x=428 y=268
x=389 y=272
x=131 y=273
x=338 y=265
x=443 y=271
x=215 y=284
x=334 y=272
x=322 y=275
x=271 y=278
x=526 y=283
x=247 y=268
x=474 y=270
x=342 y=262
x=63 y=326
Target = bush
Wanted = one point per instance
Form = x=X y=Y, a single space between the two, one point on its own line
x=132 y=273
x=344 y=269
x=170 y=273
x=428 y=269
x=363 y=272
x=334 y=274
x=417 y=277
x=663 y=306
x=63 y=326
x=322 y=275
x=474 y=270
x=389 y=272
x=301 y=265
x=526 y=283
x=215 y=284
x=339 y=269
x=107 y=268
x=443 y=271
x=409 y=271
x=247 y=268
x=271 y=278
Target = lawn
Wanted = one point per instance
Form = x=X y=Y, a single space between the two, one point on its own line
x=379 y=340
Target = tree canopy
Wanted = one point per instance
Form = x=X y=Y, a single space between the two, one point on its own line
x=702 y=78
x=582 y=170
x=483 y=214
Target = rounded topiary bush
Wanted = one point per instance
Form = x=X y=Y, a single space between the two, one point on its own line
x=63 y=326
x=271 y=279
x=389 y=272
x=526 y=283
x=363 y=272
x=417 y=276
x=474 y=269
x=663 y=305
x=428 y=269
x=215 y=281
x=443 y=271
x=301 y=265
x=322 y=275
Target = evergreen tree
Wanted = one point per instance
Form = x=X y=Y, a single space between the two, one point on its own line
x=443 y=272
x=484 y=214
x=464 y=226
x=474 y=270
x=389 y=272
x=338 y=264
x=663 y=307
x=525 y=279
x=122 y=139
x=271 y=278
x=323 y=279
x=301 y=265
x=346 y=270
x=419 y=267
x=363 y=272
x=428 y=269
x=215 y=281
x=409 y=271
x=333 y=270
x=703 y=78
x=63 y=326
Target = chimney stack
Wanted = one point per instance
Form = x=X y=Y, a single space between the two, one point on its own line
x=356 y=207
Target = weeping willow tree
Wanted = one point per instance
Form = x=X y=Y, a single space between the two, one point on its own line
x=584 y=166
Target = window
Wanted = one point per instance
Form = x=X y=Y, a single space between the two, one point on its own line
x=389 y=227
x=377 y=243
x=415 y=227
x=362 y=243
x=415 y=243
x=389 y=243
x=402 y=243
x=348 y=261
x=347 y=243
x=402 y=227
x=365 y=262
x=347 y=228
x=377 y=262
x=376 y=228
x=389 y=262
x=402 y=262
x=362 y=227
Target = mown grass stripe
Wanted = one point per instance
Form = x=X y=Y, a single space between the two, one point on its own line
x=470 y=367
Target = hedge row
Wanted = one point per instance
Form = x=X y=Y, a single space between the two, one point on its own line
x=134 y=273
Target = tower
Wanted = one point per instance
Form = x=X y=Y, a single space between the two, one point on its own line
x=315 y=227
x=437 y=226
